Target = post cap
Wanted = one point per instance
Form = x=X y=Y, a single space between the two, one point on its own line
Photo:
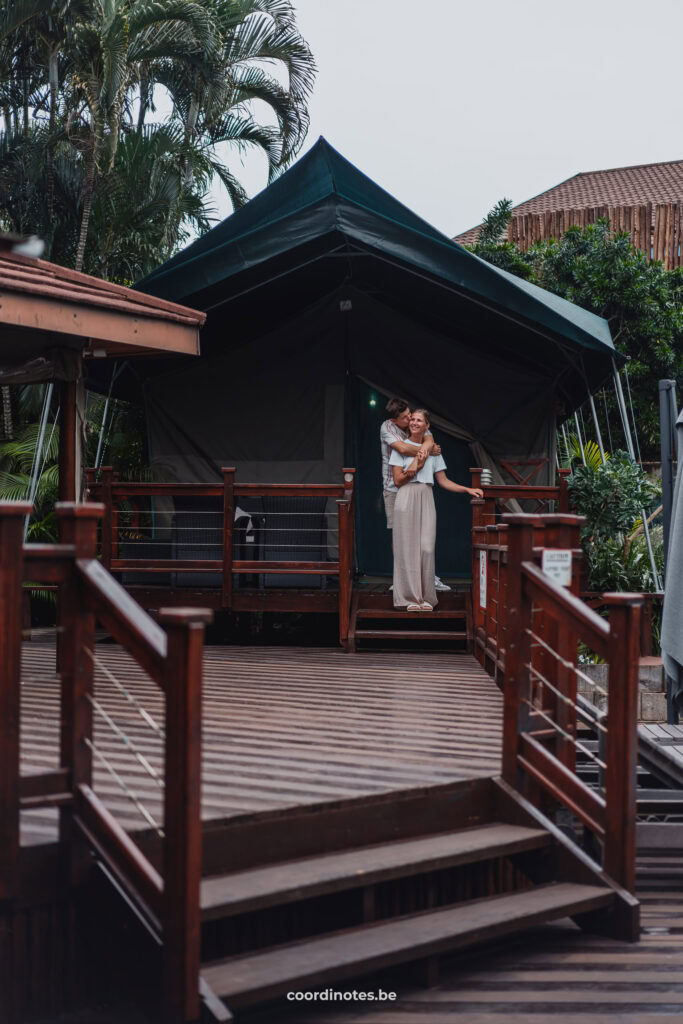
x=15 y=509
x=623 y=598
x=180 y=616
x=79 y=510
x=522 y=519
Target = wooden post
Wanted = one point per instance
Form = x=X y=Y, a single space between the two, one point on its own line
x=646 y=626
x=106 y=480
x=182 y=853
x=516 y=688
x=478 y=613
x=345 y=521
x=12 y=514
x=563 y=531
x=67 y=441
x=564 y=475
x=503 y=591
x=228 y=524
x=75 y=647
x=349 y=474
x=621 y=746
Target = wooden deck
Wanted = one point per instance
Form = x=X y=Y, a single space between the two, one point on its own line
x=283 y=727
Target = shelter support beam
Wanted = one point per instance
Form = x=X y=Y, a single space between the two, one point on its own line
x=67 y=441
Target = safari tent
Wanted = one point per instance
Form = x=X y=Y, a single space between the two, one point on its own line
x=324 y=295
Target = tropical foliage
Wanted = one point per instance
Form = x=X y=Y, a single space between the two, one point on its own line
x=612 y=497
x=600 y=270
x=84 y=162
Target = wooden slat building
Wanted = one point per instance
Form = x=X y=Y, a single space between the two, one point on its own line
x=646 y=201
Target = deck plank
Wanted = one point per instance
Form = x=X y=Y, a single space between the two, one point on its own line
x=283 y=727
x=553 y=973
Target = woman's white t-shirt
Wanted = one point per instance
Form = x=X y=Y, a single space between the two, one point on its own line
x=425 y=475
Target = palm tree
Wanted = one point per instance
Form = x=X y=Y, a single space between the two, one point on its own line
x=78 y=80
x=255 y=34
x=108 y=45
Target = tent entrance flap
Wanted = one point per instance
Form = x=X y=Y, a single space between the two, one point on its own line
x=373 y=540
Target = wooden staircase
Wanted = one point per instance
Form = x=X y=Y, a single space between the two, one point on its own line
x=374 y=619
x=395 y=899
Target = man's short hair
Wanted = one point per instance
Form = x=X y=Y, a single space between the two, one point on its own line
x=395 y=406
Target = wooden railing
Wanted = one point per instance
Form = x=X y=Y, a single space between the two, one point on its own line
x=134 y=520
x=487 y=511
x=528 y=638
x=167 y=894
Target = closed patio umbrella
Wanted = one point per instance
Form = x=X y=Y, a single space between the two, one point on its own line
x=672 y=619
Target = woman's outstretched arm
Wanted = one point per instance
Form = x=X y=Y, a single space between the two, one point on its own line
x=448 y=485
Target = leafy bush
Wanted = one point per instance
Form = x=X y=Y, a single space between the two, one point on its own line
x=612 y=498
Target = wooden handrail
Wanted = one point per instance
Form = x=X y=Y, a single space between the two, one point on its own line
x=12 y=516
x=558 y=602
x=540 y=657
x=120 y=614
x=172 y=656
x=113 y=492
x=117 y=849
x=134 y=489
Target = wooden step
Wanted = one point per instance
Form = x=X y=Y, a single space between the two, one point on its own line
x=410 y=634
x=226 y=895
x=314 y=963
x=401 y=613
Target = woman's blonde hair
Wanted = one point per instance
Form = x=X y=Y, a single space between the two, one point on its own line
x=425 y=413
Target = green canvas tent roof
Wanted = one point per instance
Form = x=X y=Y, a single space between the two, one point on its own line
x=325 y=211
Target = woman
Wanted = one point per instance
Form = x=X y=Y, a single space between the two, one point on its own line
x=415 y=519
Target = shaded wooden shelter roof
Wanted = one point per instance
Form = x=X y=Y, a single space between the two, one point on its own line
x=43 y=305
x=617 y=186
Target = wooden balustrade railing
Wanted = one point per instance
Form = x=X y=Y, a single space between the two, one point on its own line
x=487 y=511
x=124 y=515
x=168 y=894
x=545 y=723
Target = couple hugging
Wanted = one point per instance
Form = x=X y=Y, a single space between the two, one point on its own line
x=411 y=461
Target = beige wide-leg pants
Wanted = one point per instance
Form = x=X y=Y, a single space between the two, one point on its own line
x=414 y=540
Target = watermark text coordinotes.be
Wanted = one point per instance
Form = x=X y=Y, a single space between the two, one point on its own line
x=331 y=995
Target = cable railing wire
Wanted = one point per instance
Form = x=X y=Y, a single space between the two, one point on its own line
x=562 y=732
x=142 y=711
x=132 y=796
x=126 y=740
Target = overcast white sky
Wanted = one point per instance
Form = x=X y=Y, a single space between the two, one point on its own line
x=452 y=104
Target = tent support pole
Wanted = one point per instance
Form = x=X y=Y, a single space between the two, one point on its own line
x=631 y=451
x=667 y=428
x=597 y=428
x=36 y=468
x=578 y=434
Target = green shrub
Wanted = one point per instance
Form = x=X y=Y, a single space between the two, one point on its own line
x=612 y=498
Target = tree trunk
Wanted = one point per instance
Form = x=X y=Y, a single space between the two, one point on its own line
x=54 y=84
x=7 y=422
x=87 y=204
x=144 y=97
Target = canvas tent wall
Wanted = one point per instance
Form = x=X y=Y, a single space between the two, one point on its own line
x=324 y=285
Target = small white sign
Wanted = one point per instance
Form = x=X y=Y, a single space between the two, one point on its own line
x=482 y=579
x=557 y=564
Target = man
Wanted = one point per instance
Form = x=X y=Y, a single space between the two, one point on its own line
x=393 y=435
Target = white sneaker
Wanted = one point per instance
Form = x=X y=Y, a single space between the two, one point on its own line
x=440 y=585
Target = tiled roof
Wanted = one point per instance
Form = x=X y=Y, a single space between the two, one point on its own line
x=619 y=186
x=39 y=278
